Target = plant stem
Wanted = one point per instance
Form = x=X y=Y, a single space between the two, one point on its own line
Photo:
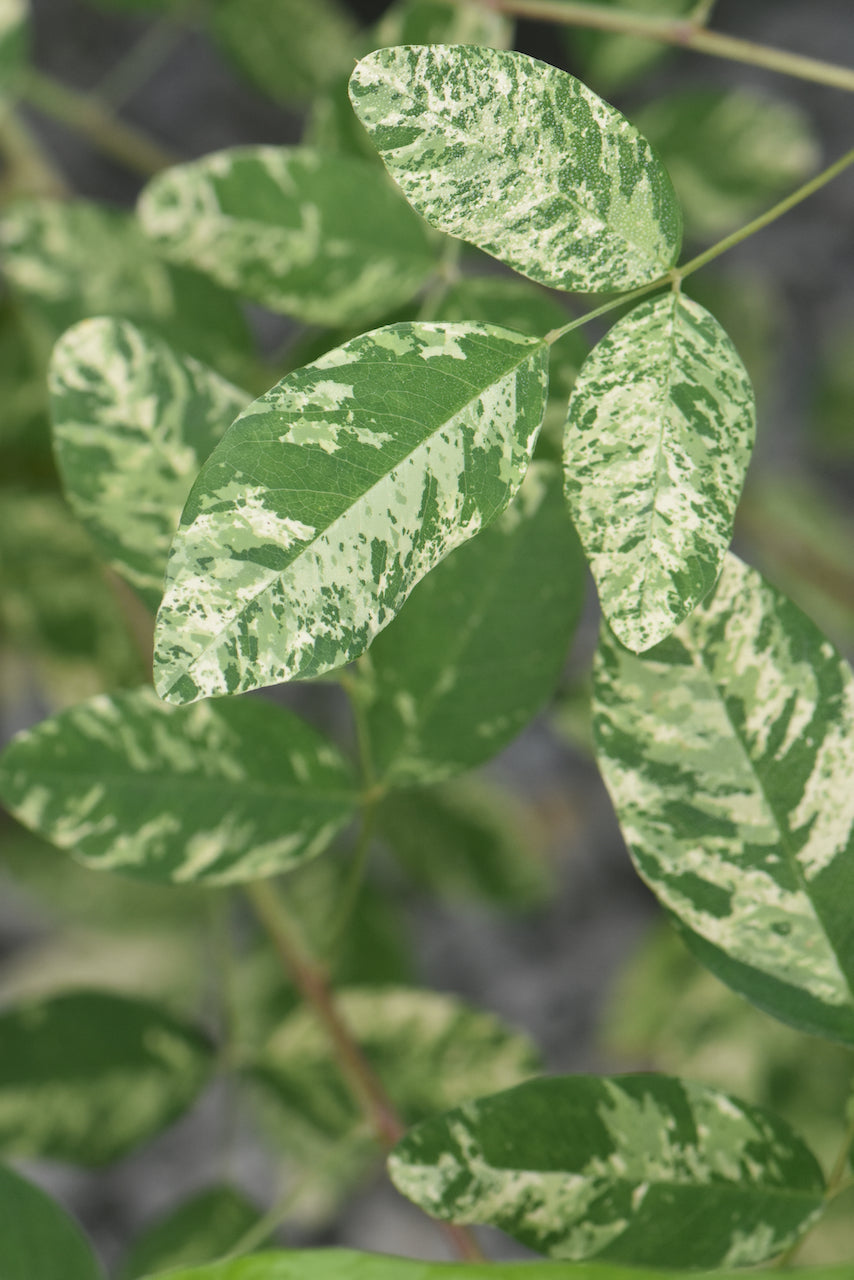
x=362 y=1080
x=28 y=170
x=687 y=33
x=146 y=57
x=554 y=334
x=82 y=113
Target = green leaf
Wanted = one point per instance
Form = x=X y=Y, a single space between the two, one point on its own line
x=224 y=792
x=14 y=41
x=335 y=493
x=38 y=1241
x=457 y=675
x=660 y=428
x=320 y=237
x=86 y=1077
x=442 y=22
x=728 y=754
x=467 y=839
x=201 y=1229
x=611 y=60
x=587 y=1166
x=346 y=1264
x=289 y=49
x=72 y=259
x=523 y=161
x=133 y=421
x=730 y=152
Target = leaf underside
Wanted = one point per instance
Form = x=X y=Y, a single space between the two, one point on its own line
x=335 y=493
x=729 y=752
x=521 y=160
x=659 y=434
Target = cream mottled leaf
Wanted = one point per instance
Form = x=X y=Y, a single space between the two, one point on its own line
x=38 y=1240
x=346 y=1264
x=521 y=160
x=133 y=421
x=457 y=675
x=86 y=1077
x=729 y=751
x=321 y=237
x=220 y=792
x=730 y=152
x=659 y=434
x=615 y=1168
x=335 y=493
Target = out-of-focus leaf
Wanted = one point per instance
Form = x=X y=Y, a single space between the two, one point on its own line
x=833 y=392
x=86 y=1077
x=466 y=839
x=521 y=160
x=201 y=1229
x=730 y=152
x=38 y=1241
x=727 y=751
x=133 y=421
x=611 y=60
x=321 y=237
x=615 y=1168
x=71 y=259
x=457 y=676
x=223 y=792
x=442 y=22
x=658 y=438
x=360 y=473
x=289 y=49
x=14 y=15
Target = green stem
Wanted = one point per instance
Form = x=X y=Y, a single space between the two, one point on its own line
x=83 y=114
x=148 y=55
x=555 y=334
x=364 y=1084
x=687 y=33
x=353 y=885
x=28 y=170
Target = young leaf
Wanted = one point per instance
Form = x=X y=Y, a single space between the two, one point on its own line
x=521 y=160
x=466 y=839
x=335 y=493
x=86 y=1077
x=38 y=1241
x=346 y=1264
x=730 y=152
x=49 y=247
x=132 y=423
x=457 y=675
x=728 y=752
x=200 y=1229
x=221 y=793
x=616 y=1168
x=659 y=434
x=320 y=237
x=290 y=49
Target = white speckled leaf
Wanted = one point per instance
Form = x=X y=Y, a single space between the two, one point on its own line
x=617 y=1168
x=335 y=493
x=86 y=1077
x=133 y=421
x=346 y=1264
x=321 y=237
x=521 y=160
x=38 y=1240
x=659 y=434
x=729 y=754
x=219 y=792
x=477 y=650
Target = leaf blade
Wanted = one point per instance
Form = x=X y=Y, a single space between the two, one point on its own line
x=38 y=1240
x=541 y=174
x=359 y=472
x=659 y=432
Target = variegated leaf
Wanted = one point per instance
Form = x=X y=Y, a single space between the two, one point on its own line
x=221 y=792
x=133 y=421
x=38 y=1240
x=86 y=1077
x=457 y=675
x=729 y=752
x=335 y=493
x=324 y=238
x=615 y=1168
x=346 y=1264
x=659 y=434
x=521 y=160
